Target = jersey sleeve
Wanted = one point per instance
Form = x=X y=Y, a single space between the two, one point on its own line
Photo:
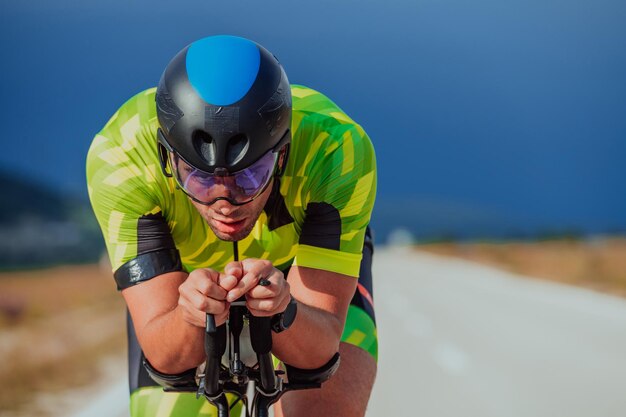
x=123 y=183
x=339 y=197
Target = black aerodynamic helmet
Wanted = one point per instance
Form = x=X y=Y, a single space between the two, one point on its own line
x=223 y=102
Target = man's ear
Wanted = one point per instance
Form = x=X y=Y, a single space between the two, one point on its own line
x=283 y=158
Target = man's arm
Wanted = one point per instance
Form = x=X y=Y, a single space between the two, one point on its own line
x=323 y=301
x=169 y=313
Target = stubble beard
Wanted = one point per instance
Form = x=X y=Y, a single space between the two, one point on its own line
x=251 y=220
x=240 y=235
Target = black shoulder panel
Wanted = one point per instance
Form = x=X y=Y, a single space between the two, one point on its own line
x=322 y=226
x=147 y=266
x=153 y=233
x=156 y=253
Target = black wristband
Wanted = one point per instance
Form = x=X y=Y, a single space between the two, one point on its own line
x=283 y=321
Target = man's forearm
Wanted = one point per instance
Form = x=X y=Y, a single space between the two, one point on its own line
x=312 y=339
x=171 y=344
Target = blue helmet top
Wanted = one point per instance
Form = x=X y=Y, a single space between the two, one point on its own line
x=228 y=82
x=223 y=102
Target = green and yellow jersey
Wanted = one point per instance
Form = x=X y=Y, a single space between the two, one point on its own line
x=316 y=216
x=317 y=219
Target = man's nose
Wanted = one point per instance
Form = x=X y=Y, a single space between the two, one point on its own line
x=223 y=207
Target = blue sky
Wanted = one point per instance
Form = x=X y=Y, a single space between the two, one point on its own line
x=511 y=109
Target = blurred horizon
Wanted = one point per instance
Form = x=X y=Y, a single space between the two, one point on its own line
x=488 y=118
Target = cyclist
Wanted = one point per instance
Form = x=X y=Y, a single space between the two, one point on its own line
x=219 y=153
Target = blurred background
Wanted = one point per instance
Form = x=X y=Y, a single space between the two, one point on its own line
x=499 y=129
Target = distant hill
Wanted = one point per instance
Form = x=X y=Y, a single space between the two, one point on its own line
x=23 y=199
x=41 y=226
x=421 y=220
x=427 y=220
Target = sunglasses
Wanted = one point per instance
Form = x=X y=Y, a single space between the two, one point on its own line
x=238 y=188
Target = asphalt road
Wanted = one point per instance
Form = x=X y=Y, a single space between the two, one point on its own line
x=461 y=339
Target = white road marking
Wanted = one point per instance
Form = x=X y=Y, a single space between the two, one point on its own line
x=451 y=359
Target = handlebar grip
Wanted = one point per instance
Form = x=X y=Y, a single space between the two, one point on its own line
x=210 y=323
x=214 y=347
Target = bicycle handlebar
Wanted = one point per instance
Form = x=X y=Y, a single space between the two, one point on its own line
x=218 y=380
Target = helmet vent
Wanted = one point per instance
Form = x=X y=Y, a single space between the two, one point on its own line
x=237 y=149
x=205 y=146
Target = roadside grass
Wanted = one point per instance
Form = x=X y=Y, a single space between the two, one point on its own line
x=598 y=264
x=56 y=326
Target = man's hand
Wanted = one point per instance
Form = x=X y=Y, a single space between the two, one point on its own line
x=261 y=300
x=204 y=291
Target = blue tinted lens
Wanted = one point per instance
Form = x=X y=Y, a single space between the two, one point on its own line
x=255 y=177
x=240 y=187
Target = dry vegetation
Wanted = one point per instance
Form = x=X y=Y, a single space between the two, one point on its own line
x=56 y=326
x=598 y=264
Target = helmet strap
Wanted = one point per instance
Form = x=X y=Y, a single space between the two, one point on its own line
x=163 y=157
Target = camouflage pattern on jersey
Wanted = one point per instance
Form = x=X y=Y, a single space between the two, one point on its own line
x=331 y=160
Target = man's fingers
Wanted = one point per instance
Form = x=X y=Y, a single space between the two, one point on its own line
x=205 y=304
x=254 y=269
x=207 y=273
x=200 y=294
x=197 y=317
x=233 y=272
x=267 y=306
x=227 y=282
x=246 y=283
x=273 y=289
x=203 y=287
x=235 y=269
x=202 y=280
x=250 y=282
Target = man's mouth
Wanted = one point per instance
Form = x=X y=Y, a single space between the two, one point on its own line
x=228 y=225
